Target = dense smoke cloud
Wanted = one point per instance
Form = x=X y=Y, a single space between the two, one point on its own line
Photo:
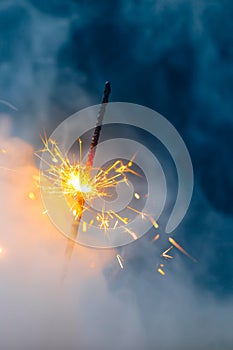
x=41 y=310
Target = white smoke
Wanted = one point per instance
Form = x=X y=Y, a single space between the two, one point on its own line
x=40 y=311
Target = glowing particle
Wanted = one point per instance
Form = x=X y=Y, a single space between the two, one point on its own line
x=74 y=212
x=165 y=255
x=45 y=212
x=91 y=222
x=36 y=178
x=1 y=250
x=161 y=272
x=133 y=234
x=115 y=225
x=120 y=260
x=84 y=226
x=130 y=163
x=103 y=221
x=156 y=237
x=143 y=215
x=111 y=216
x=136 y=195
x=31 y=195
x=153 y=222
x=172 y=241
x=124 y=220
x=3 y=150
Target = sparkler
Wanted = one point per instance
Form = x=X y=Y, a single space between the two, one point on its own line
x=97 y=131
x=89 y=164
x=76 y=181
x=78 y=184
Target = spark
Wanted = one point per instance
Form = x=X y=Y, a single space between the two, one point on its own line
x=124 y=220
x=84 y=226
x=142 y=214
x=161 y=271
x=81 y=184
x=115 y=225
x=156 y=237
x=31 y=195
x=120 y=260
x=137 y=195
x=155 y=224
x=165 y=255
x=172 y=241
x=103 y=220
x=133 y=234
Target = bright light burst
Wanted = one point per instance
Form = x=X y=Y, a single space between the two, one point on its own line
x=81 y=184
x=80 y=187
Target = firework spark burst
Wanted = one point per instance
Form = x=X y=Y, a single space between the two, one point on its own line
x=81 y=184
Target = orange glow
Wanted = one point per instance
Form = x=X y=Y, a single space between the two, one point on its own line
x=84 y=226
x=92 y=265
x=172 y=241
x=156 y=237
x=31 y=195
x=155 y=224
x=80 y=187
x=161 y=271
x=165 y=255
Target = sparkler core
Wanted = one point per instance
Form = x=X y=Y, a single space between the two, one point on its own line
x=78 y=184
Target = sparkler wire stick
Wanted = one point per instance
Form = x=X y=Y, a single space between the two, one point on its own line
x=96 y=134
x=89 y=164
